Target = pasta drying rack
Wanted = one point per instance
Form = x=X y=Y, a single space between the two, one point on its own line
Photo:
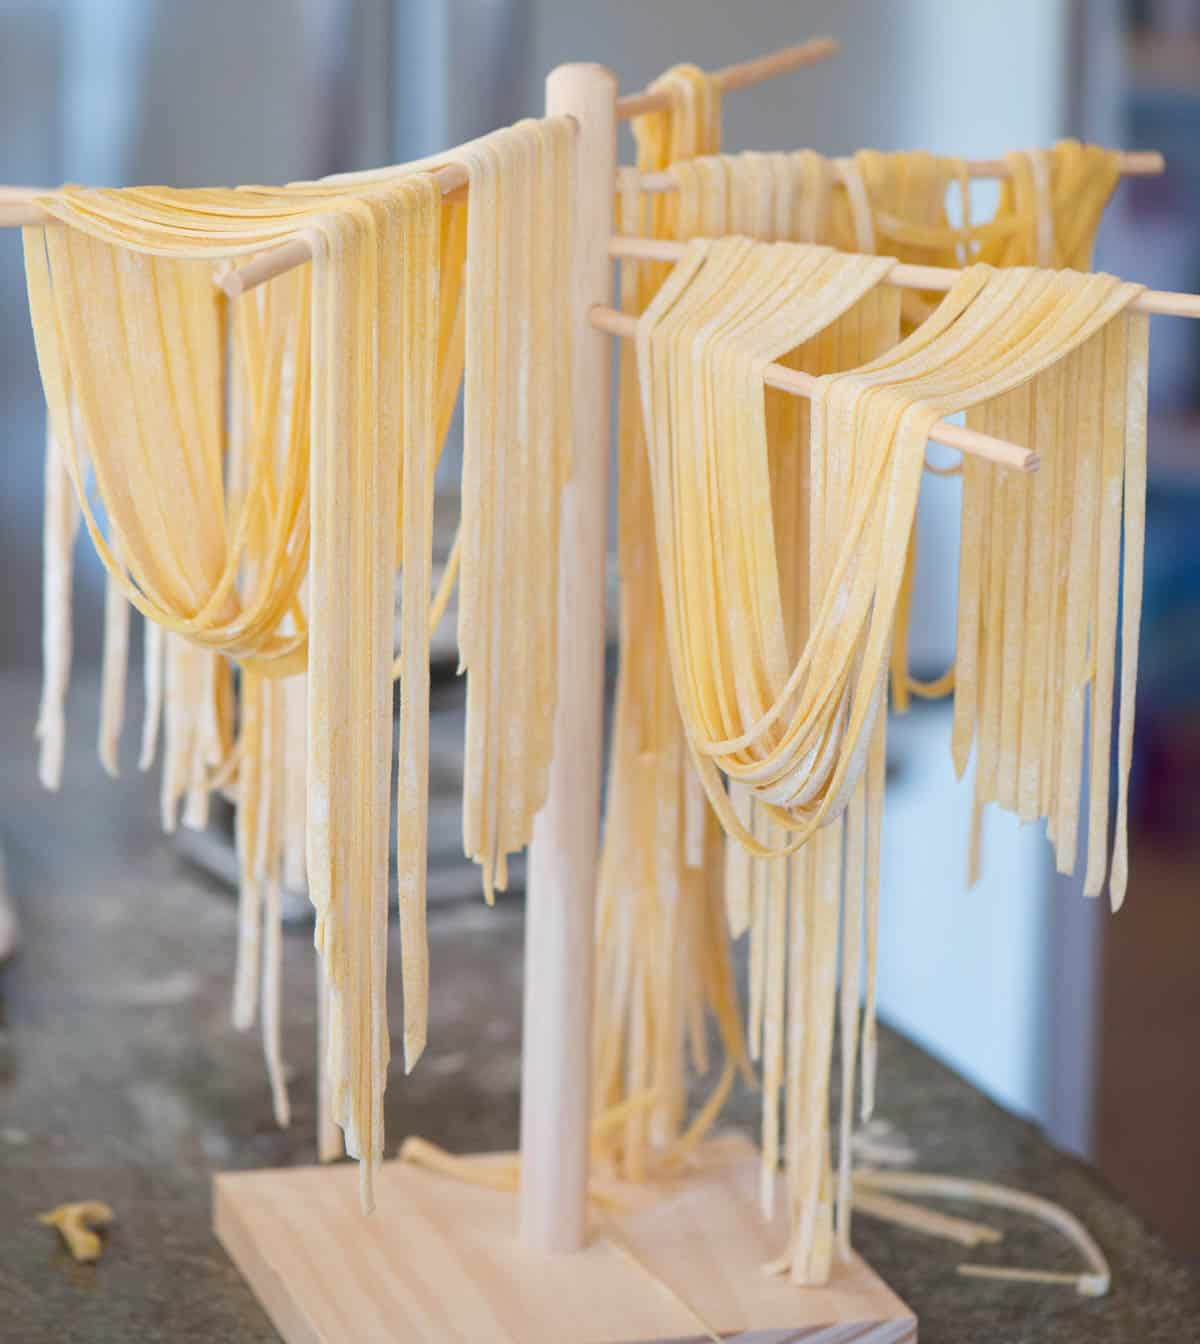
x=442 y=1259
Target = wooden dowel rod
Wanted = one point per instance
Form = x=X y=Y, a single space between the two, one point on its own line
x=969 y=441
x=556 y=1057
x=1167 y=303
x=740 y=76
x=1164 y=302
x=277 y=260
x=18 y=208
x=1134 y=163
x=16 y=214
x=266 y=266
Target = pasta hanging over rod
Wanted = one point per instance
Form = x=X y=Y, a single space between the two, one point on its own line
x=897 y=203
x=1029 y=662
x=662 y=954
x=1050 y=207
x=276 y=543
x=798 y=728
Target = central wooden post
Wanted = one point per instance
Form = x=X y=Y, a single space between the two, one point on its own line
x=556 y=1064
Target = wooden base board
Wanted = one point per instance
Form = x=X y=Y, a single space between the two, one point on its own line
x=438 y=1261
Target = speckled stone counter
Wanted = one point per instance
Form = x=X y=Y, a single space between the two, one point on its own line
x=121 y=1079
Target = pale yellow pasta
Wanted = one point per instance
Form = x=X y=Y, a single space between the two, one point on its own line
x=113 y=668
x=663 y=957
x=896 y=204
x=1023 y=646
x=60 y=528
x=276 y=541
x=798 y=727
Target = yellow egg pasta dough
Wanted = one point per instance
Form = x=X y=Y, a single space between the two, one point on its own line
x=797 y=725
x=270 y=533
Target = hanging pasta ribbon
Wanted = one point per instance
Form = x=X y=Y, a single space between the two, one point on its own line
x=784 y=197
x=513 y=321
x=1028 y=662
x=224 y=568
x=61 y=526
x=796 y=728
x=897 y=204
x=1050 y=206
x=663 y=961
x=790 y=197
x=270 y=402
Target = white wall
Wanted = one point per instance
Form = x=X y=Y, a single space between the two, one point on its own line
x=963 y=971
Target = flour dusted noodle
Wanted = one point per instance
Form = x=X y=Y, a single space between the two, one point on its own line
x=797 y=727
x=277 y=544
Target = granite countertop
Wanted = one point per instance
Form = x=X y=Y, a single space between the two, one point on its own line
x=121 y=1079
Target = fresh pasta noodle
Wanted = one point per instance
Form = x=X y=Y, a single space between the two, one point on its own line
x=60 y=529
x=1050 y=206
x=113 y=669
x=663 y=963
x=343 y=382
x=512 y=325
x=770 y=196
x=781 y=890
x=194 y=736
x=507 y=622
x=799 y=727
x=1027 y=660
x=788 y=197
x=892 y=203
x=269 y=407
x=152 y=673
x=186 y=578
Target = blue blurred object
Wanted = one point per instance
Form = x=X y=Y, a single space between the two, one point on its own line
x=1166 y=783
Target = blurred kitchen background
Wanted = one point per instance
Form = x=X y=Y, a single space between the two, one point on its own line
x=1084 y=1022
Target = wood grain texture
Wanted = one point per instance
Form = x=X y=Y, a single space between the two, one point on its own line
x=556 y=1053
x=439 y=1261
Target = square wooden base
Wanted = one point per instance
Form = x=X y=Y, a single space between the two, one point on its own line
x=438 y=1261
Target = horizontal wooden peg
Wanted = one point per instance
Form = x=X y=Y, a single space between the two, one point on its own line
x=18 y=208
x=1134 y=163
x=18 y=214
x=741 y=76
x=969 y=441
x=1164 y=302
x=236 y=281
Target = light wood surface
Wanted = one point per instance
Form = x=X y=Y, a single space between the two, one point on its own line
x=556 y=1047
x=743 y=75
x=451 y=178
x=16 y=214
x=1164 y=302
x=969 y=441
x=1134 y=163
x=438 y=1261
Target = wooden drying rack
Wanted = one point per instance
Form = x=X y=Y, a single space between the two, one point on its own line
x=438 y=1259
